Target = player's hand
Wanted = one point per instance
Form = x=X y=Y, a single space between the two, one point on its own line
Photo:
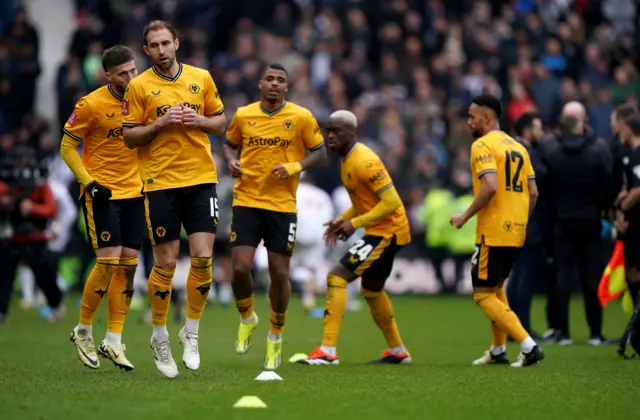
x=191 y=118
x=329 y=235
x=234 y=168
x=173 y=116
x=99 y=193
x=330 y=240
x=344 y=230
x=26 y=207
x=285 y=170
x=458 y=220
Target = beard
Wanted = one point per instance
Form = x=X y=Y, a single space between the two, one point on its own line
x=272 y=101
x=477 y=133
x=166 y=65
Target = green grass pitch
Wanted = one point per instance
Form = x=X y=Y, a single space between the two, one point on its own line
x=41 y=378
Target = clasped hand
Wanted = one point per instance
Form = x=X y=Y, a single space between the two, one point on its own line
x=181 y=114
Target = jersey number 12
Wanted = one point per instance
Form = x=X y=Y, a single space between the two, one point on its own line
x=512 y=168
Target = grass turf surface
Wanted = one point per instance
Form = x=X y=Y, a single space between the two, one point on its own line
x=41 y=378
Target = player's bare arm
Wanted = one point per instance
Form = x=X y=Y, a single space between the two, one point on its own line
x=533 y=195
x=631 y=199
x=230 y=153
x=214 y=124
x=144 y=134
x=488 y=188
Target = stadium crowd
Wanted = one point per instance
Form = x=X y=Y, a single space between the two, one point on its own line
x=407 y=69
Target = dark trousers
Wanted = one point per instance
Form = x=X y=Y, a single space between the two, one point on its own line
x=550 y=274
x=38 y=258
x=460 y=261
x=525 y=274
x=437 y=256
x=578 y=246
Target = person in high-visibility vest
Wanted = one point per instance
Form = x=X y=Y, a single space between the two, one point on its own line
x=435 y=216
x=462 y=244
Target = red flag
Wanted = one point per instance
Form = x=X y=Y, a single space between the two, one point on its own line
x=612 y=284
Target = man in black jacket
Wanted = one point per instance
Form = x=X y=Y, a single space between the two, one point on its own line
x=581 y=188
x=528 y=268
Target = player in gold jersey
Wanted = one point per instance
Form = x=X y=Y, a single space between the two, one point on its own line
x=505 y=195
x=377 y=207
x=112 y=203
x=168 y=113
x=274 y=136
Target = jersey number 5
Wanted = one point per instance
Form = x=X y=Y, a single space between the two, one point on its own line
x=292 y=233
x=514 y=160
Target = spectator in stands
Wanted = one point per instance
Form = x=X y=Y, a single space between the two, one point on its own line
x=23 y=47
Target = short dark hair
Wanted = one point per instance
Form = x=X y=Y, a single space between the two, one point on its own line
x=633 y=122
x=569 y=124
x=624 y=111
x=115 y=56
x=525 y=121
x=275 y=66
x=156 y=25
x=490 y=102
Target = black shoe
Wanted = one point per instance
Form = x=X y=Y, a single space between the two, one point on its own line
x=561 y=339
x=490 y=359
x=549 y=336
x=389 y=358
x=534 y=357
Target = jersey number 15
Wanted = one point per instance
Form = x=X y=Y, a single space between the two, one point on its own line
x=512 y=168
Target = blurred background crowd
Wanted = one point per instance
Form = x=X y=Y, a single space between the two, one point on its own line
x=406 y=68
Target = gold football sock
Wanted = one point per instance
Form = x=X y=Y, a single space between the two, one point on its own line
x=96 y=287
x=198 y=286
x=334 y=308
x=277 y=322
x=501 y=314
x=120 y=294
x=159 y=287
x=382 y=313
x=499 y=336
x=245 y=307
